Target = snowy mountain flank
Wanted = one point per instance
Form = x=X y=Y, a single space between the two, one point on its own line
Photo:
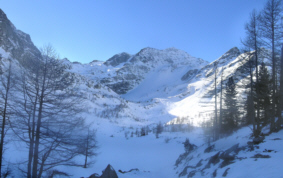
x=181 y=84
x=128 y=96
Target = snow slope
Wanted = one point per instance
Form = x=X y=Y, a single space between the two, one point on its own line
x=182 y=85
x=245 y=164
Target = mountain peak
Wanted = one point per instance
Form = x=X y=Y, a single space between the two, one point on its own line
x=233 y=51
x=2 y=15
x=173 y=49
x=117 y=59
x=229 y=55
x=154 y=50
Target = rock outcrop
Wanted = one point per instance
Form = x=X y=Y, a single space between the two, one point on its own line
x=108 y=172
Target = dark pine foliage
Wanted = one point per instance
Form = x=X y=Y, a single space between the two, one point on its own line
x=263 y=94
x=230 y=112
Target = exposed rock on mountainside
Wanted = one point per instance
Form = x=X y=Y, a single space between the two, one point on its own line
x=14 y=41
x=134 y=69
x=108 y=172
x=117 y=59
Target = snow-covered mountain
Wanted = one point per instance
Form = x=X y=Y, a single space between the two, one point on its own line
x=182 y=86
x=128 y=92
x=179 y=86
x=124 y=72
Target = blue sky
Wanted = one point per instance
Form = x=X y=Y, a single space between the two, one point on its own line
x=85 y=30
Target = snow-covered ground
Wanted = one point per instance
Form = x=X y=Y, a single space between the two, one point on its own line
x=156 y=157
x=153 y=157
x=245 y=163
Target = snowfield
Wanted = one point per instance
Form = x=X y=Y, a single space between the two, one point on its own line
x=156 y=157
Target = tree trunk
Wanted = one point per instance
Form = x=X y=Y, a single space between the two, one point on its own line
x=37 y=134
x=36 y=144
x=252 y=98
x=31 y=146
x=280 y=107
x=272 y=123
x=86 y=151
x=215 y=92
x=256 y=71
x=220 y=109
x=257 y=100
x=4 y=117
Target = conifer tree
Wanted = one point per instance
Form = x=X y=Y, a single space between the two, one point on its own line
x=263 y=95
x=249 y=64
x=253 y=42
x=230 y=113
x=271 y=31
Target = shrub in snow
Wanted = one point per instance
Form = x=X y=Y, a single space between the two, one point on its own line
x=143 y=131
x=159 y=129
x=167 y=140
x=188 y=146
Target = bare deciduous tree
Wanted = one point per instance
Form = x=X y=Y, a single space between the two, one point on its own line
x=253 y=42
x=6 y=78
x=46 y=118
x=88 y=146
x=271 y=31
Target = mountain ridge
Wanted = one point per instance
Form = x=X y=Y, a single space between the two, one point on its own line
x=169 y=76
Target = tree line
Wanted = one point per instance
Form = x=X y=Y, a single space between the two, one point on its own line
x=39 y=104
x=264 y=105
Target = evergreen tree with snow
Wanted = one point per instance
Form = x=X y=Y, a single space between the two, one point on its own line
x=230 y=113
x=263 y=93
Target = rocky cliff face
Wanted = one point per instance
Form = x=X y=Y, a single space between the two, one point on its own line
x=117 y=59
x=14 y=41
